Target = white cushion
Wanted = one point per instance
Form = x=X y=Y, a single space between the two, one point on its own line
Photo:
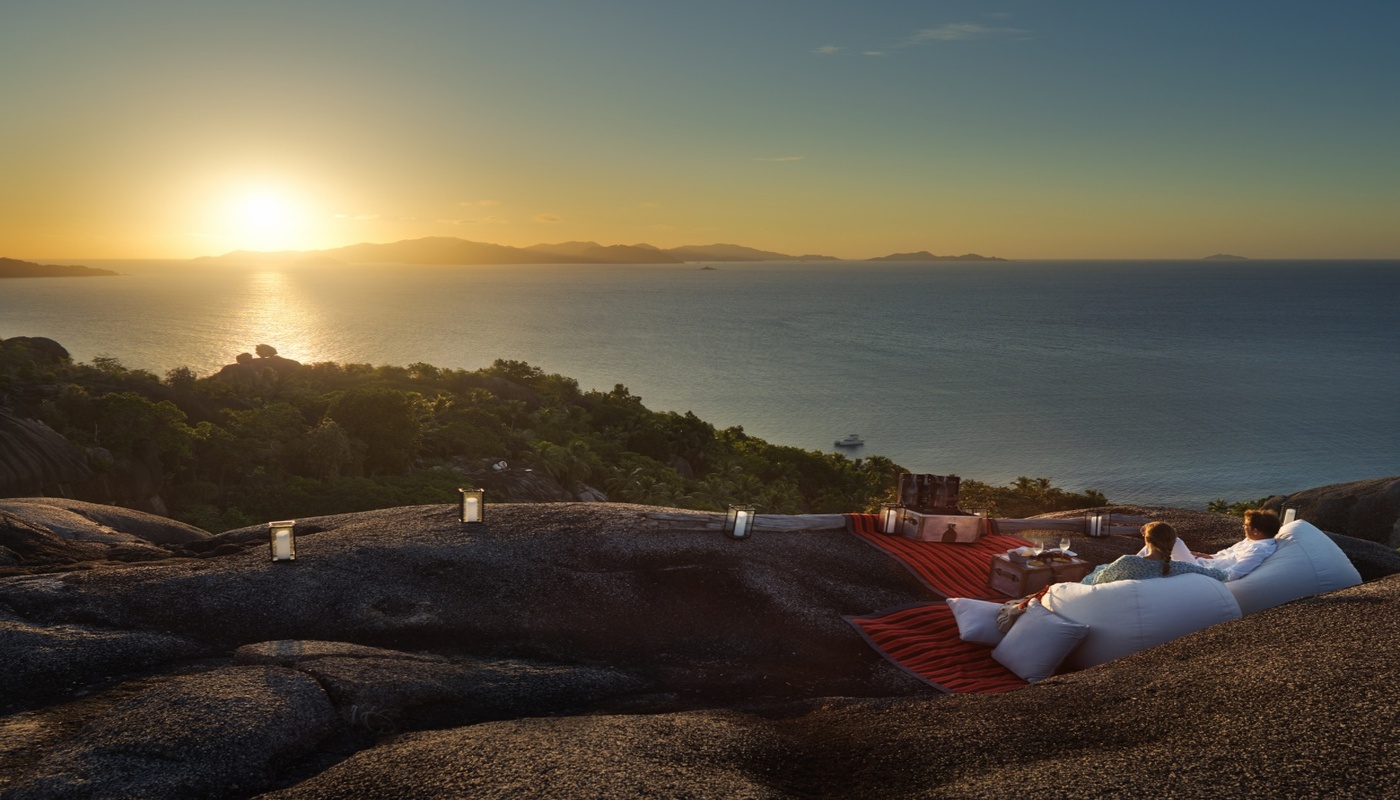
x=1125 y=617
x=1180 y=552
x=1307 y=562
x=977 y=620
x=1037 y=643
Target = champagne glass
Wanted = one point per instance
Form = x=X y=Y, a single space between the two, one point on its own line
x=1064 y=544
x=1038 y=547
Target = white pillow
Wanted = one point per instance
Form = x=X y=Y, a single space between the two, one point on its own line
x=1038 y=642
x=1180 y=552
x=977 y=620
x=1307 y=562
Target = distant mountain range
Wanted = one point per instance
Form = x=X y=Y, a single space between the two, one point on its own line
x=446 y=250
x=14 y=268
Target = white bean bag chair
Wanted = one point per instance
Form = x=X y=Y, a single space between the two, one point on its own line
x=1125 y=617
x=1307 y=562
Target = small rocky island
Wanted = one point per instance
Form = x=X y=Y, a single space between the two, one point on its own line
x=14 y=268
x=924 y=255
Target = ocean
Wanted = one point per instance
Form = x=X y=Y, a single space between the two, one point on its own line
x=1155 y=382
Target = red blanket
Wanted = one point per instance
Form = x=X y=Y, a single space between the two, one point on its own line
x=922 y=639
x=950 y=570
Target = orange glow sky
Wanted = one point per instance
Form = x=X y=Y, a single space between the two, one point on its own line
x=1023 y=129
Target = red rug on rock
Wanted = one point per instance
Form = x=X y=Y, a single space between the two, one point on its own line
x=922 y=639
x=950 y=570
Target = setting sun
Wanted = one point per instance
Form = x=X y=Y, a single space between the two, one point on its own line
x=268 y=218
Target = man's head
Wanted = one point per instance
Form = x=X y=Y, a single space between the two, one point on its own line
x=1260 y=524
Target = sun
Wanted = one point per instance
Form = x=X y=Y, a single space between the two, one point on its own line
x=268 y=218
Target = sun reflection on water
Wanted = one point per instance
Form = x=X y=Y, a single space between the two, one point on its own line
x=276 y=312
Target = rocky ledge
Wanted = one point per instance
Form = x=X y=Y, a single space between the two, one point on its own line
x=608 y=650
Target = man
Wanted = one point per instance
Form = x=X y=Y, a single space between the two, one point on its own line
x=1239 y=559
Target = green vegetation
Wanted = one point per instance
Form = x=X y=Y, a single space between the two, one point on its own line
x=1222 y=506
x=1026 y=497
x=268 y=439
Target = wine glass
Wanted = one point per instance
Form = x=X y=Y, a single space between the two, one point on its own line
x=1038 y=547
x=1064 y=544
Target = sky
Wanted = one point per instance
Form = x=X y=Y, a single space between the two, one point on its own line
x=851 y=128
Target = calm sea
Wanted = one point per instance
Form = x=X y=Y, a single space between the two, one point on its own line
x=1155 y=382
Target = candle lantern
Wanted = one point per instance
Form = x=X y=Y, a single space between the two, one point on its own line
x=282 y=538
x=1290 y=513
x=473 y=502
x=1097 y=523
x=738 y=522
x=891 y=514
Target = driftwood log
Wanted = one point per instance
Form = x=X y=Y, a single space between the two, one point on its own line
x=710 y=521
x=707 y=521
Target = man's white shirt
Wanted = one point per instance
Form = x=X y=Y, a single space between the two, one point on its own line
x=1240 y=558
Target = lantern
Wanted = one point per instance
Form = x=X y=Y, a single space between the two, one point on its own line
x=282 y=538
x=891 y=514
x=1098 y=523
x=738 y=522
x=473 y=501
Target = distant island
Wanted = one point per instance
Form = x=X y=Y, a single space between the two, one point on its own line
x=14 y=268
x=447 y=250
x=1224 y=257
x=924 y=255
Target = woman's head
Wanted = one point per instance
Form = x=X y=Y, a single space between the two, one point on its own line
x=1160 y=538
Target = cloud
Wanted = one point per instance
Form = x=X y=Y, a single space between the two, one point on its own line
x=548 y=218
x=487 y=220
x=962 y=31
x=827 y=50
x=482 y=203
x=874 y=53
x=782 y=158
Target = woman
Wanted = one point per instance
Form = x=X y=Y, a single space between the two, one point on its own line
x=1156 y=564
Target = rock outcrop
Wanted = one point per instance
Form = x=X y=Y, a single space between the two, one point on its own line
x=609 y=650
x=36 y=460
x=1364 y=509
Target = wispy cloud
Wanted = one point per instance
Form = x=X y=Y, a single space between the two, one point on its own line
x=781 y=158
x=948 y=32
x=548 y=218
x=487 y=220
x=962 y=31
x=479 y=203
x=357 y=216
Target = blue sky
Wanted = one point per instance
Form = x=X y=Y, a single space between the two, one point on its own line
x=150 y=128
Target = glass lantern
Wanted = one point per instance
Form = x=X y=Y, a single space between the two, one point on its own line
x=282 y=539
x=473 y=505
x=738 y=522
x=891 y=514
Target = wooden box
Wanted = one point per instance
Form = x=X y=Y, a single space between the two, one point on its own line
x=1018 y=580
x=934 y=494
x=942 y=527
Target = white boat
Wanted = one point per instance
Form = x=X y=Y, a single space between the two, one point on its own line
x=851 y=440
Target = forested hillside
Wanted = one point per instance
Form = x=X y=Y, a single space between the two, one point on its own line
x=268 y=438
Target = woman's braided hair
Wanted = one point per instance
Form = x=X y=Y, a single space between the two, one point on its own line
x=1161 y=537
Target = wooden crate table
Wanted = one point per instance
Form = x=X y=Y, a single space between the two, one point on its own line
x=1015 y=579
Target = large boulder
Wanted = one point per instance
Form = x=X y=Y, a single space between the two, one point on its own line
x=565 y=583
x=35 y=459
x=1367 y=509
x=543 y=653
x=214 y=734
